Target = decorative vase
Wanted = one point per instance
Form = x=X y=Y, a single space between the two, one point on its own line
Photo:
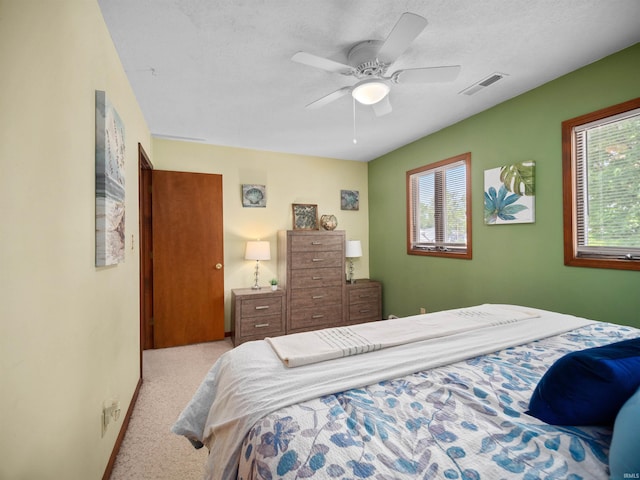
x=274 y=287
x=329 y=222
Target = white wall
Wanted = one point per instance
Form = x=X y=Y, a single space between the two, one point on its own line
x=288 y=179
x=69 y=332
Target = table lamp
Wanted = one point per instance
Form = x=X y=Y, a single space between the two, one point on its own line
x=257 y=250
x=353 y=250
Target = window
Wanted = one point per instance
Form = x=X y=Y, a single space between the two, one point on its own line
x=601 y=183
x=439 y=208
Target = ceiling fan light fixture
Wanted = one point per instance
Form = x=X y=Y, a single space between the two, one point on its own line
x=370 y=91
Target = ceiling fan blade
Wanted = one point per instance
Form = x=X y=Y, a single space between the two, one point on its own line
x=404 y=32
x=321 y=102
x=383 y=107
x=322 y=63
x=427 y=75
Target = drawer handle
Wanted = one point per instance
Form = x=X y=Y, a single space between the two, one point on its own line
x=316 y=278
x=317 y=259
x=261 y=325
x=317 y=316
x=316 y=243
x=365 y=296
x=262 y=307
x=366 y=310
x=316 y=297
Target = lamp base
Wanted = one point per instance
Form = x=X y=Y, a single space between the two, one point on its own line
x=351 y=279
x=255 y=276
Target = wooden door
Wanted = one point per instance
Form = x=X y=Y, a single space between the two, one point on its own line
x=188 y=275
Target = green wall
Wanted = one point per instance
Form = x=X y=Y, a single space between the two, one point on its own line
x=519 y=264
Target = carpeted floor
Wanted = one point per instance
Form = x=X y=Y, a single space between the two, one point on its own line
x=150 y=450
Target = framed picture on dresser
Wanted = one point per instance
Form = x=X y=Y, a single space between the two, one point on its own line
x=305 y=216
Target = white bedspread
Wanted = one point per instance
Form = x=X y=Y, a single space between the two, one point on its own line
x=330 y=343
x=250 y=381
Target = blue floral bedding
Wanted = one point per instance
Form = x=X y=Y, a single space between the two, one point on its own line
x=466 y=420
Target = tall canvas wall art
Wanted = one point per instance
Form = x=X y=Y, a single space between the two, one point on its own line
x=110 y=211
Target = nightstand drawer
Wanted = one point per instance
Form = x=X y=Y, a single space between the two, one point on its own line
x=364 y=295
x=262 y=326
x=364 y=312
x=256 y=307
x=321 y=277
x=316 y=260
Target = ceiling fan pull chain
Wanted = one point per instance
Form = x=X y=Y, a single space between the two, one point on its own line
x=354 y=120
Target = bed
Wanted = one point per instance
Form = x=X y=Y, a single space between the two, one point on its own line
x=452 y=404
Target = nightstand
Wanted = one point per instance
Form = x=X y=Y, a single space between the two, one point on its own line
x=256 y=314
x=364 y=301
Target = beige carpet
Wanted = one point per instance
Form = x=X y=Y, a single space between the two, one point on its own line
x=150 y=450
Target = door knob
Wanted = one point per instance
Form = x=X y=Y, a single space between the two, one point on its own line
x=218 y=266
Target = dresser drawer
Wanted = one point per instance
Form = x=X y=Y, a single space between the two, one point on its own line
x=315 y=297
x=261 y=326
x=257 y=307
x=314 y=318
x=324 y=259
x=364 y=295
x=316 y=277
x=316 y=243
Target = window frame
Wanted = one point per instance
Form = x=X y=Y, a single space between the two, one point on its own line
x=570 y=191
x=411 y=250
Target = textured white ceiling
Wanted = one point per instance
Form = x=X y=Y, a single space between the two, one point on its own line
x=220 y=71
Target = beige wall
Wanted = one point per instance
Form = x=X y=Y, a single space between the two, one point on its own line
x=69 y=332
x=289 y=179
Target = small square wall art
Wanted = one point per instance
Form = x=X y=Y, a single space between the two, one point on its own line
x=254 y=196
x=509 y=194
x=349 y=200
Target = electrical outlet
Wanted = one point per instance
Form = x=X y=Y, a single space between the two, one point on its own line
x=423 y=310
x=110 y=411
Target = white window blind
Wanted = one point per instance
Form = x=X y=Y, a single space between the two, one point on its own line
x=439 y=208
x=607 y=162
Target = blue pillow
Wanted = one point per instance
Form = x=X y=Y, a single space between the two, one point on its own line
x=588 y=387
x=624 y=454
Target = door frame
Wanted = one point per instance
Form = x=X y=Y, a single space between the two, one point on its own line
x=145 y=215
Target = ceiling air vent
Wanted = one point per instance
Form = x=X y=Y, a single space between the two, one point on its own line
x=485 y=82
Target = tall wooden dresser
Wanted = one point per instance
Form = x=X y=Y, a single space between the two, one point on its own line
x=312 y=270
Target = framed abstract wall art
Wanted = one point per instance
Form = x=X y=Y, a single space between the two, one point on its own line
x=110 y=207
x=509 y=194
x=305 y=216
x=349 y=200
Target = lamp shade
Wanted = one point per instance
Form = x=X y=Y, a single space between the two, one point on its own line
x=353 y=249
x=370 y=91
x=258 y=250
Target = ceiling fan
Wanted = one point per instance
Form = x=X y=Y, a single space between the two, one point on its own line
x=368 y=62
